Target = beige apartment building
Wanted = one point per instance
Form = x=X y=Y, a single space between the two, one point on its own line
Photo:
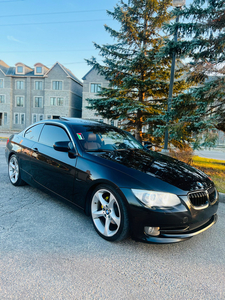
x=28 y=95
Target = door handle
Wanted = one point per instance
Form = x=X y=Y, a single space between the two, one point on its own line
x=35 y=149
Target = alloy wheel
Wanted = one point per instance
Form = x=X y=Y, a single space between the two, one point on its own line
x=105 y=212
x=13 y=169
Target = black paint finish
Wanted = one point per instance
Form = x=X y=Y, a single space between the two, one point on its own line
x=73 y=174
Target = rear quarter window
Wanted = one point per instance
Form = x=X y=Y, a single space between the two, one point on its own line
x=33 y=132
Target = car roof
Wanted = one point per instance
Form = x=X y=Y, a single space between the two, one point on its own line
x=72 y=121
x=69 y=122
x=78 y=121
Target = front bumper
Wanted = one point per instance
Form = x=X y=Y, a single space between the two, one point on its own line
x=175 y=225
x=174 y=236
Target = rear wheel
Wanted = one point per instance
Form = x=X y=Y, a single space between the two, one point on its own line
x=14 y=171
x=109 y=214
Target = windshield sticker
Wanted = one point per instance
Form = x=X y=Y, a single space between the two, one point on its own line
x=80 y=136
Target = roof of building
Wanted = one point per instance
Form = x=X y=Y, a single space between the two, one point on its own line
x=19 y=63
x=91 y=70
x=70 y=74
x=67 y=71
x=40 y=64
x=11 y=71
x=3 y=69
x=2 y=63
x=84 y=78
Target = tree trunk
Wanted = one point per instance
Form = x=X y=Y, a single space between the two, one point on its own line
x=138 y=129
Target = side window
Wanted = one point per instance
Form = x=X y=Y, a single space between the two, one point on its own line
x=51 y=134
x=33 y=132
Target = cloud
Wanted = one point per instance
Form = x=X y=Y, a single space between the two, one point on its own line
x=11 y=38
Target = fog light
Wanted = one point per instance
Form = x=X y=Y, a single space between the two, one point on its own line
x=154 y=231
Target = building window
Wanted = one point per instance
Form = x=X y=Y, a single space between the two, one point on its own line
x=5 y=118
x=95 y=87
x=53 y=101
x=22 y=118
x=57 y=85
x=41 y=117
x=1 y=83
x=56 y=101
x=38 y=69
x=16 y=118
x=19 y=85
x=38 y=102
x=19 y=69
x=19 y=101
x=112 y=122
x=60 y=101
x=49 y=117
x=2 y=98
x=38 y=85
x=88 y=103
x=34 y=117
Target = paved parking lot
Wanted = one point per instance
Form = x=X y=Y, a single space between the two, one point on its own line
x=49 y=250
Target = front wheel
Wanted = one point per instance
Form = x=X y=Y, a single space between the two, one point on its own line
x=14 y=171
x=109 y=214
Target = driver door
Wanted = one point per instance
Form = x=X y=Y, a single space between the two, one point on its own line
x=53 y=169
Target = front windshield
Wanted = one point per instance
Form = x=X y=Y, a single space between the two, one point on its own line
x=100 y=138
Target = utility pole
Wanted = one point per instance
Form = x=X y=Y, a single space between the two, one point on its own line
x=178 y=4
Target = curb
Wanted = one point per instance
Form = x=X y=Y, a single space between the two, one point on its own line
x=222 y=197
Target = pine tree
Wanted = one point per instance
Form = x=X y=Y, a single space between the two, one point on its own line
x=202 y=40
x=139 y=85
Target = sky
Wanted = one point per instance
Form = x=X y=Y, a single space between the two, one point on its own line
x=50 y=31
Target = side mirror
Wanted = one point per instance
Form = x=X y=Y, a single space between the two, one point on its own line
x=62 y=146
x=148 y=145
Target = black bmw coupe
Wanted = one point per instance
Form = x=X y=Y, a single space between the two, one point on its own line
x=124 y=187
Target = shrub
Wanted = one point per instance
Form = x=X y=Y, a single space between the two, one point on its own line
x=184 y=154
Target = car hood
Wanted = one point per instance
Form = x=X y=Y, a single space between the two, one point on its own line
x=160 y=166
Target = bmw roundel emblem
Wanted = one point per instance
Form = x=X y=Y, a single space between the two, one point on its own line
x=200 y=185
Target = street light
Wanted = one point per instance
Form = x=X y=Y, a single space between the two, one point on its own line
x=175 y=3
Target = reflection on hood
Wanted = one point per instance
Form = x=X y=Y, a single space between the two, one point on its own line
x=160 y=166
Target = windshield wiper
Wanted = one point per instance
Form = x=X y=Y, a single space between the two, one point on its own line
x=100 y=150
x=111 y=150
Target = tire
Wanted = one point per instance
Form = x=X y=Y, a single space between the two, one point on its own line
x=109 y=214
x=14 y=171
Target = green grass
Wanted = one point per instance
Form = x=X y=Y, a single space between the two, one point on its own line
x=219 y=182
x=214 y=168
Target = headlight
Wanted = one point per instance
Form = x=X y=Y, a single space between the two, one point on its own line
x=156 y=199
